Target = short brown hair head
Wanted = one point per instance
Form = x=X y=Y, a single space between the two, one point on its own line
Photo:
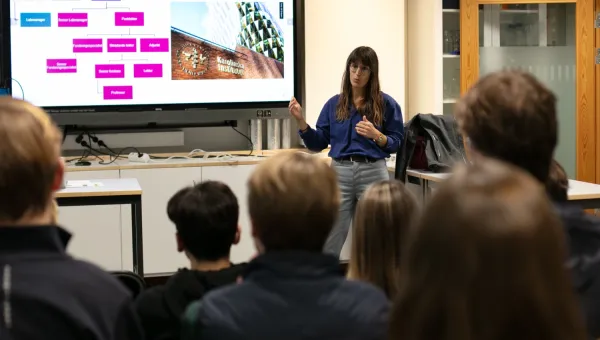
x=29 y=157
x=557 y=184
x=511 y=116
x=384 y=214
x=293 y=202
x=487 y=262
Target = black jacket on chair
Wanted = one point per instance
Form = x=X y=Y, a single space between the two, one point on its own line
x=291 y=296
x=443 y=143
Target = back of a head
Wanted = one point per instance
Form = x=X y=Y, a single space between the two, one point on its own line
x=206 y=217
x=511 y=116
x=29 y=158
x=486 y=262
x=383 y=217
x=557 y=184
x=293 y=201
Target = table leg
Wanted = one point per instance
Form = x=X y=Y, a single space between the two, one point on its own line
x=136 y=230
x=424 y=191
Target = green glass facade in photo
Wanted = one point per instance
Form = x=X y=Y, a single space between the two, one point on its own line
x=539 y=39
x=258 y=30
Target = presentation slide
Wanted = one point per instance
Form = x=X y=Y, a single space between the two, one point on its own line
x=140 y=52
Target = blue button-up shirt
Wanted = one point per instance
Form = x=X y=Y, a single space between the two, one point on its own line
x=344 y=139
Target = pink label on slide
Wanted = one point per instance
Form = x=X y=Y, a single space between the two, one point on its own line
x=121 y=45
x=72 y=20
x=147 y=71
x=87 y=45
x=118 y=92
x=110 y=71
x=154 y=45
x=61 y=65
x=129 y=18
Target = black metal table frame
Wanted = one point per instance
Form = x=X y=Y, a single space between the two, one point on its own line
x=135 y=201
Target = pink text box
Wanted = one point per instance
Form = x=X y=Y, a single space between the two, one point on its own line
x=72 y=20
x=129 y=18
x=118 y=92
x=61 y=65
x=147 y=71
x=154 y=45
x=121 y=45
x=87 y=45
x=110 y=71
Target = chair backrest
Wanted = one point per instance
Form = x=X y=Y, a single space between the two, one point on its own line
x=132 y=281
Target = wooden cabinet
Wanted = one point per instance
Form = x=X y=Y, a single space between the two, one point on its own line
x=553 y=40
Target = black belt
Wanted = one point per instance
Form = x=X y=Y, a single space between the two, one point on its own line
x=358 y=159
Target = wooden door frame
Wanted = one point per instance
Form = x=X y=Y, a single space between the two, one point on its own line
x=586 y=41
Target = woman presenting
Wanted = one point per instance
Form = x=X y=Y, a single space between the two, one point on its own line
x=364 y=126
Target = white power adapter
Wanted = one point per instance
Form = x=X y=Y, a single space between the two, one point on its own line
x=135 y=157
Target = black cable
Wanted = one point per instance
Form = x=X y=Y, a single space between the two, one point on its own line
x=65 y=131
x=245 y=136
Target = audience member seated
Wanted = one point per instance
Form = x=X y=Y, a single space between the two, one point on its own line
x=383 y=217
x=511 y=116
x=46 y=294
x=206 y=219
x=486 y=262
x=557 y=184
x=291 y=290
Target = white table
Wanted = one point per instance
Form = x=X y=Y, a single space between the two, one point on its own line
x=111 y=192
x=586 y=195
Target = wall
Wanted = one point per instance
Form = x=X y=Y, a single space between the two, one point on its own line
x=424 y=55
x=334 y=28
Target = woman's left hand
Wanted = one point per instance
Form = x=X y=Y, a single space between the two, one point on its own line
x=367 y=129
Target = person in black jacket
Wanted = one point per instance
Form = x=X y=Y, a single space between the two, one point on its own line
x=511 y=116
x=206 y=218
x=292 y=290
x=45 y=293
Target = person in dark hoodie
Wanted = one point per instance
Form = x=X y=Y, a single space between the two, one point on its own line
x=206 y=219
x=511 y=116
x=292 y=290
x=44 y=292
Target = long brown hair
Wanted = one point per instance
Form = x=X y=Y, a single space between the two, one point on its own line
x=373 y=103
x=383 y=216
x=486 y=262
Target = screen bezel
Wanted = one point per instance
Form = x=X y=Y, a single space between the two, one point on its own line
x=297 y=6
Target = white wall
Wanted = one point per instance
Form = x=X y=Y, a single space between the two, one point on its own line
x=334 y=28
x=424 y=57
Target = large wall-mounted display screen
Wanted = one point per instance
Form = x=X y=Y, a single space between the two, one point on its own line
x=91 y=53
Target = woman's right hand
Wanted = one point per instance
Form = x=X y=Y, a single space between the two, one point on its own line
x=295 y=109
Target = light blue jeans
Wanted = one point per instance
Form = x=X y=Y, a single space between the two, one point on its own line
x=353 y=179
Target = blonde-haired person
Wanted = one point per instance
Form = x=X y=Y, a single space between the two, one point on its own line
x=292 y=290
x=54 y=212
x=45 y=292
x=486 y=263
x=383 y=217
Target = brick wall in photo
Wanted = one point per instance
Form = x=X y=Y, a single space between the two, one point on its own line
x=256 y=65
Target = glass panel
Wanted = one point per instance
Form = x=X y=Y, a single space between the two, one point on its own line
x=539 y=39
x=451 y=65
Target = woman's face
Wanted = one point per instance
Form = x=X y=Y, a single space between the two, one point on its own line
x=359 y=75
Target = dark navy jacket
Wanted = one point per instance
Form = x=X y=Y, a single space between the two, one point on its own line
x=46 y=294
x=344 y=139
x=583 y=239
x=291 y=296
